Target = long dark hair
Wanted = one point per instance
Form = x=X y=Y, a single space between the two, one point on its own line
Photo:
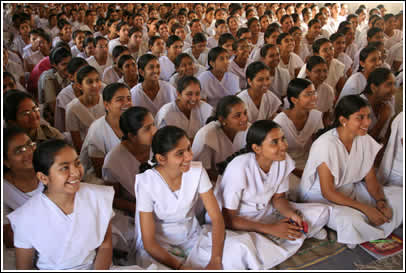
x=256 y=135
x=377 y=77
x=44 y=155
x=224 y=106
x=295 y=87
x=132 y=120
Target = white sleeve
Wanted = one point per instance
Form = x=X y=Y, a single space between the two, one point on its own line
x=204 y=183
x=72 y=122
x=284 y=186
x=144 y=199
x=231 y=187
x=205 y=155
x=109 y=176
x=6 y=211
x=21 y=234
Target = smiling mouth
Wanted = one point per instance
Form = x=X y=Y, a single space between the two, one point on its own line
x=73 y=182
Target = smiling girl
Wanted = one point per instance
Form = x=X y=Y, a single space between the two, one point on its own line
x=188 y=112
x=340 y=172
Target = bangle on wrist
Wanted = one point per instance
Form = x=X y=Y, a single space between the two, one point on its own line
x=381 y=200
x=179 y=266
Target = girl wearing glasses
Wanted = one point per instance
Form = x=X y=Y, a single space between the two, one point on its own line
x=299 y=123
x=22 y=111
x=19 y=180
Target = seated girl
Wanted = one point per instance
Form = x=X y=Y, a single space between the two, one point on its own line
x=22 y=111
x=167 y=197
x=185 y=66
x=340 y=172
x=151 y=92
x=223 y=135
x=261 y=103
x=188 y=112
x=68 y=225
x=239 y=62
x=217 y=82
x=252 y=194
x=19 y=180
x=122 y=162
x=289 y=60
x=128 y=68
x=88 y=107
x=299 y=124
x=105 y=133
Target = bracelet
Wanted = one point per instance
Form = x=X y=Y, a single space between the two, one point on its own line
x=383 y=199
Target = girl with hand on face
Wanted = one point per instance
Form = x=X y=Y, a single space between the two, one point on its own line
x=105 y=133
x=185 y=66
x=316 y=72
x=128 y=68
x=379 y=92
x=260 y=101
x=217 y=82
x=223 y=135
x=299 y=123
x=188 y=112
x=340 y=172
x=168 y=191
x=82 y=111
x=369 y=60
x=252 y=194
x=151 y=92
x=289 y=60
x=68 y=225
x=19 y=180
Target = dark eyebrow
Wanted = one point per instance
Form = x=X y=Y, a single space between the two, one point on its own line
x=67 y=163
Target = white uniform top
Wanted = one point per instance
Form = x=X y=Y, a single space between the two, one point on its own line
x=351 y=50
x=167 y=68
x=280 y=82
x=79 y=117
x=346 y=168
x=294 y=62
x=121 y=166
x=14 y=198
x=175 y=218
x=395 y=54
x=100 y=139
x=62 y=100
x=100 y=68
x=202 y=60
x=112 y=44
x=213 y=89
x=34 y=57
x=395 y=38
x=325 y=98
x=166 y=94
x=212 y=42
x=336 y=70
x=346 y=60
x=245 y=187
x=75 y=51
x=170 y=114
x=110 y=75
x=391 y=168
x=211 y=145
x=239 y=72
x=64 y=241
x=299 y=142
x=18 y=44
x=270 y=103
x=354 y=85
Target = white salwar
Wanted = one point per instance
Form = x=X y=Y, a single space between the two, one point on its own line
x=211 y=145
x=167 y=68
x=100 y=139
x=270 y=103
x=348 y=170
x=246 y=188
x=354 y=85
x=166 y=94
x=170 y=114
x=79 y=117
x=294 y=62
x=177 y=228
x=391 y=169
x=213 y=89
x=64 y=241
x=299 y=143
